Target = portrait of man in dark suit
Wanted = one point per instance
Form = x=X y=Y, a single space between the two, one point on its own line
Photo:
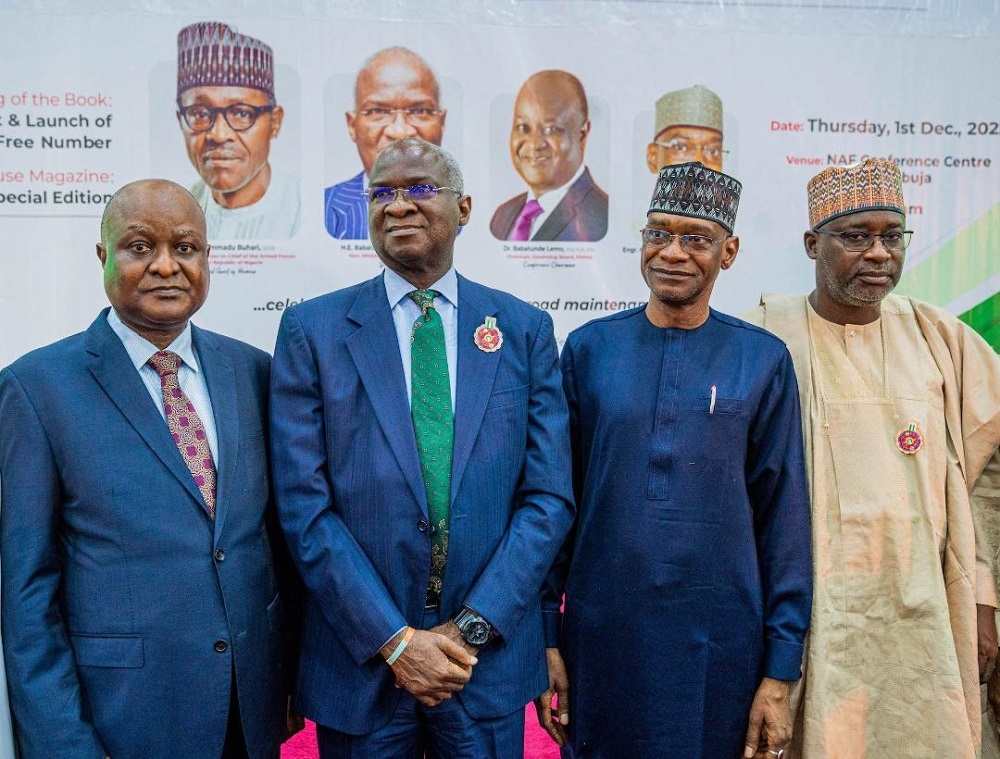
x=142 y=609
x=548 y=139
x=421 y=464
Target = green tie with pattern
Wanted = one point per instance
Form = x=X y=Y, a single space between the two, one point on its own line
x=434 y=426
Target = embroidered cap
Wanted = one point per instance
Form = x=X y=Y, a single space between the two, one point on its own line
x=213 y=54
x=875 y=184
x=692 y=189
x=696 y=106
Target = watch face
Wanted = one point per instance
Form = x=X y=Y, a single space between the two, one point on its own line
x=476 y=633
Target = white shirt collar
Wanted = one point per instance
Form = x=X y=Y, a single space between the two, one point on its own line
x=552 y=198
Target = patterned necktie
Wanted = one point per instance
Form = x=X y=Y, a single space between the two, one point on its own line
x=522 y=227
x=434 y=426
x=185 y=426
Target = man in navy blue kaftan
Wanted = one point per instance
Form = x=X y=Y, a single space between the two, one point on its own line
x=687 y=578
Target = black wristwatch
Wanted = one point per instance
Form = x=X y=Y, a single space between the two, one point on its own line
x=475 y=630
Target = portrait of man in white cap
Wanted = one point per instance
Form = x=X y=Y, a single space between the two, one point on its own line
x=688 y=128
x=228 y=116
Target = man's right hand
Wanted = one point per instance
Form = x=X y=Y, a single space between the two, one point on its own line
x=555 y=720
x=432 y=668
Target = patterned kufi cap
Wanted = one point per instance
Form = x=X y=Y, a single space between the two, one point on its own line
x=212 y=54
x=691 y=189
x=875 y=184
x=696 y=106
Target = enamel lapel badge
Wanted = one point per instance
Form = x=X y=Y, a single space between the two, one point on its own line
x=488 y=337
x=909 y=441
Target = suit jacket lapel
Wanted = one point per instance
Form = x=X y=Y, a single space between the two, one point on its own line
x=220 y=377
x=375 y=352
x=564 y=213
x=476 y=372
x=114 y=372
x=507 y=215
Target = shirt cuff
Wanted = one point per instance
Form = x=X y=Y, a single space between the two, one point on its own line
x=390 y=638
x=782 y=659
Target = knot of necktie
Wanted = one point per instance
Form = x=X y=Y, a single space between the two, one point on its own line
x=165 y=362
x=424 y=299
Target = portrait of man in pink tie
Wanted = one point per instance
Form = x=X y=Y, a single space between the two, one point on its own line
x=548 y=139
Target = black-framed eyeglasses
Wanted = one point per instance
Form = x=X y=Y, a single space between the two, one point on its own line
x=859 y=242
x=415 y=115
x=239 y=116
x=659 y=238
x=417 y=193
x=684 y=149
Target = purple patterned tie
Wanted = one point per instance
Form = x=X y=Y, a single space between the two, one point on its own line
x=522 y=227
x=185 y=426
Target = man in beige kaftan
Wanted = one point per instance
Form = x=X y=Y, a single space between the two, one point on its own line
x=901 y=414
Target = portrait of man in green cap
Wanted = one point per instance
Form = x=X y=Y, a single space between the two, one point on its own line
x=688 y=128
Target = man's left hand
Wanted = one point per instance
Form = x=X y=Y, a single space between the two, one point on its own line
x=986 y=629
x=770 y=727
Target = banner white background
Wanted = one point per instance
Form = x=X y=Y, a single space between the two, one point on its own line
x=792 y=78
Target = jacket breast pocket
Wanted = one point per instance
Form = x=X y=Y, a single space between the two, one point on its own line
x=117 y=651
x=508 y=397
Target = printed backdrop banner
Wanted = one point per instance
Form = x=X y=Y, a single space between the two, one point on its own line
x=89 y=101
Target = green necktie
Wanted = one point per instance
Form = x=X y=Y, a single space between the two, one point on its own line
x=434 y=426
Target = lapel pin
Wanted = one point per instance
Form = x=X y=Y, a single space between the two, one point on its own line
x=488 y=337
x=910 y=440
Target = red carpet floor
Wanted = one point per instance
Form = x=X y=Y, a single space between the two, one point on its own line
x=537 y=745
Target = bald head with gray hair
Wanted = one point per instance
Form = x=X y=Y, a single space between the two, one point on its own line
x=416 y=147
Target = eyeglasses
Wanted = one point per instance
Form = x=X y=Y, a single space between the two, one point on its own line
x=859 y=242
x=685 y=149
x=417 y=193
x=384 y=116
x=658 y=238
x=239 y=116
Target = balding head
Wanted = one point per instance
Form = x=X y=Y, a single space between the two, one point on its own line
x=395 y=95
x=548 y=136
x=144 y=190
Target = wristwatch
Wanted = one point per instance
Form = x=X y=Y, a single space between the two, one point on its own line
x=475 y=630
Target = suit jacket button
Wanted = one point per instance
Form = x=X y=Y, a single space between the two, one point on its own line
x=221 y=646
x=422 y=525
x=220 y=555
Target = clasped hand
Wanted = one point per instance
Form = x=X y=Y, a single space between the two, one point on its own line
x=435 y=665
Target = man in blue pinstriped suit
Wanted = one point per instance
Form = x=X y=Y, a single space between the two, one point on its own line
x=353 y=504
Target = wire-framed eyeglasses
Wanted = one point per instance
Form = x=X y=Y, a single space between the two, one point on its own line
x=415 y=115
x=687 y=150
x=417 y=193
x=858 y=242
x=690 y=243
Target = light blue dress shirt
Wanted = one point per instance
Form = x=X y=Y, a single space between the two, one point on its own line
x=190 y=376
